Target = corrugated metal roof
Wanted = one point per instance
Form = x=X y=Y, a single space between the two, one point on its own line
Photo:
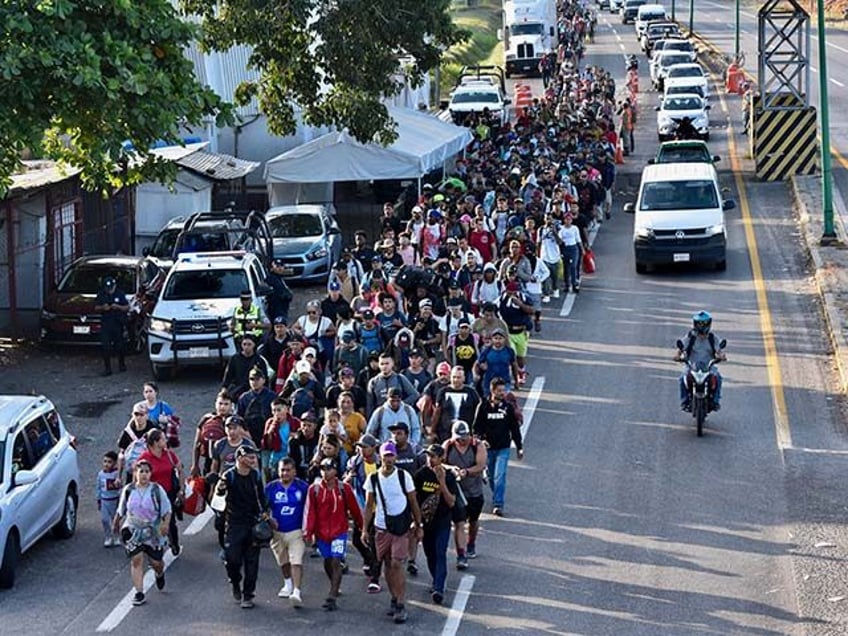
x=175 y=153
x=217 y=166
x=38 y=174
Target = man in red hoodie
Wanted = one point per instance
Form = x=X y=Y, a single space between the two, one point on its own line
x=329 y=503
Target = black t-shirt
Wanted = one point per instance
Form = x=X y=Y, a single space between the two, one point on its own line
x=426 y=483
x=245 y=497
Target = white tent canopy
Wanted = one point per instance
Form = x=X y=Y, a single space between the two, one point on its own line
x=423 y=144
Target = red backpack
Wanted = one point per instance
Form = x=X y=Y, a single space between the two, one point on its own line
x=211 y=430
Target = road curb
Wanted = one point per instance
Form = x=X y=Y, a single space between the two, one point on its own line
x=834 y=318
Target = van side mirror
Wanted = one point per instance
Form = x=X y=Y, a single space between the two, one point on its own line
x=552 y=31
x=630 y=208
x=716 y=158
x=652 y=161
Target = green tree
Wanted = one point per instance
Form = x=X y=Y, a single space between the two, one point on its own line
x=334 y=59
x=81 y=79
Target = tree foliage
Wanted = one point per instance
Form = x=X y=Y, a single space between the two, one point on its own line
x=83 y=79
x=334 y=59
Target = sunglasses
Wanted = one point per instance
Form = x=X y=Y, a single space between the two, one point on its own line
x=311 y=313
x=139 y=414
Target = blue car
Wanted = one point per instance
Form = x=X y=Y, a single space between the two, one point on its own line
x=308 y=240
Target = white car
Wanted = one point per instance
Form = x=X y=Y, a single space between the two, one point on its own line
x=676 y=107
x=680 y=45
x=190 y=324
x=690 y=74
x=661 y=62
x=39 y=478
x=474 y=96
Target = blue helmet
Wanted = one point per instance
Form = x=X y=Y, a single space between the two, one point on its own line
x=702 y=321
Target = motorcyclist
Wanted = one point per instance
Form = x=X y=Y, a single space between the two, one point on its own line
x=685 y=129
x=700 y=347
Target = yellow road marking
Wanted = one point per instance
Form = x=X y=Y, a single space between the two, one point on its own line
x=781 y=416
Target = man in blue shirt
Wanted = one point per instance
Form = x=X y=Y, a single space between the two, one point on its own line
x=497 y=360
x=287 y=498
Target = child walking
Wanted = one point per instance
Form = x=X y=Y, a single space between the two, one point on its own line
x=108 y=492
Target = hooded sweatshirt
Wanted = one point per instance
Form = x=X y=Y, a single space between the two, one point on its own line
x=327 y=508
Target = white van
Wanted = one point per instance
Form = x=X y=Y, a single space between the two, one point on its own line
x=679 y=216
x=648 y=13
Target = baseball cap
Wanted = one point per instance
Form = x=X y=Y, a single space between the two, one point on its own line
x=388 y=448
x=310 y=351
x=334 y=286
x=246 y=450
x=394 y=392
x=464 y=322
x=416 y=353
x=308 y=416
x=454 y=284
x=460 y=428
x=303 y=366
x=443 y=368
x=497 y=331
x=346 y=372
x=368 y=440
x=399 y=426
x=487 y=306
x=348 y=336
x=426 y=302
x=280 y=320
x=277 y=262
x=326 y=463
x=234 y=420
x=376 y=258
x=245 y=294
x=451 y=239
x=367 y=314
x=435 y=449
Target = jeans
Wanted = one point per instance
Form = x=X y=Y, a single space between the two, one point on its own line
x=240 y=548
x=435 y=544
x=497 y=463
x=571 y=261
x=552 y=282
x=684 y=391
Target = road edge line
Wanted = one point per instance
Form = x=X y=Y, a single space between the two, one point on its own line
x=457 y=609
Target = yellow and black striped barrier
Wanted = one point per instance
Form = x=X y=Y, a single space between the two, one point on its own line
x=784 y=141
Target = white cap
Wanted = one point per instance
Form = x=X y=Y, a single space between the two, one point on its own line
x=310 y=351
x=303 y=366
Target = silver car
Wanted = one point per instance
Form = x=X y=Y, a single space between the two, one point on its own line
x=307 y=239
x=39 y=478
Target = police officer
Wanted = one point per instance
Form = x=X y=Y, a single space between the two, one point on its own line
x=281 y=296
x=249 y=318
x=113 y=307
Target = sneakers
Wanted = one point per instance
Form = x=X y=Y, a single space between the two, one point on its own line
x=236 y=593
x=176 y=549
x=330 y=604
x=286 y=590
x=412 y=568
x=471 y=551
x=716 y=406
x=296 y=599
x=556 y=293
x=374 y=587
x=108 y=542
x=576 y=289
x=438 y=597
x=461 y=563
x=160 y=582
x=546 y=299
x=139 y=599
x=116 y=541
x=685 y=406
x=393 y=606
x=400 y=614
x=345 y=567
x=498 y=511
x=247 y=602
x=537 y=325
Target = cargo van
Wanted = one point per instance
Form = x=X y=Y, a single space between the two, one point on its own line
x=648 y=13
x=679 y=217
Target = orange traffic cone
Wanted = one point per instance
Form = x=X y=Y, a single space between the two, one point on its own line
x=619 y=153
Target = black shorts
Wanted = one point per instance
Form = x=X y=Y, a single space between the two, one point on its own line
x=474 y=507
x=155 y=554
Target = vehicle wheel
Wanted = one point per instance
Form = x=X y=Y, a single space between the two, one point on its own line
x=161 y=372
x=700 y=411
x=641 y=268
x=721 y=265
x=11 y=554
x=68 y=523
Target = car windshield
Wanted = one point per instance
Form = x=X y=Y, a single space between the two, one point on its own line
x=202 y=284
x=679 y=195
x=471 y=97
x=685 y=71
x=533 y=28
x=683 y=88
x=163 y=247
x=677 y=46
x=671 y=60
x=88 y=279
x=295 y=225
x=685 y=154
x=682 y=103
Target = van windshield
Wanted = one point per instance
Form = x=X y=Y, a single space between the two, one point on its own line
x=679 y=195
x=527 y=29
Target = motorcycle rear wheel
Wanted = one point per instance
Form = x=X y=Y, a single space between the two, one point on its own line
x=699 y=412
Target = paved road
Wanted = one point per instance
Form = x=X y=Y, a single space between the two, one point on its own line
x=620 y=520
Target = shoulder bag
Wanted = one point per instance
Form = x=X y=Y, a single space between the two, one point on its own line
x=397 y=525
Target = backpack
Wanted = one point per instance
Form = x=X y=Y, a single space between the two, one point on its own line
x=155 y=493
x=406 y=409
x=691 y=343
x=211 y=430
x=133 y=452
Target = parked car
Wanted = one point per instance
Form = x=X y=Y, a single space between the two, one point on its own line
x=690 y=74
x=675 y=108
x=209 y=236
x=662 y=61
x=684 y=151
x=68 y=315
x=307 y=239
x=675 y=44
x=39 y=478
x=629 y=10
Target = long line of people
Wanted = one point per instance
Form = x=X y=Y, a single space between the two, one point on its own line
x=380 y=414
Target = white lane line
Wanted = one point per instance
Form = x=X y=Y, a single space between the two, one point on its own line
x=199 y=522
x=567 y=305
x=529 y=408
x=457 y=609
x=837 y=82
x=831 y=44
x=744 y=31
x=618 y=37
x=622 y=47
x=125 y=605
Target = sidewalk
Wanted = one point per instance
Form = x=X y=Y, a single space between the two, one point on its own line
x=830 y=264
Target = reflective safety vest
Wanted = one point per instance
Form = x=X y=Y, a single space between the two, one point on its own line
x=241 y=318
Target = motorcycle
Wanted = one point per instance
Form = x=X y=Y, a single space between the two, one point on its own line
x=685 y=129
x=701 y=385
x=631 y=63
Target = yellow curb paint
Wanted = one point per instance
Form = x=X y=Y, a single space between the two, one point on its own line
x=781 y=415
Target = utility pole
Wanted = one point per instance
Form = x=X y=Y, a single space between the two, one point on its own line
x=691 y=17
x=673 y=16
x=829 y=235
x=737 y=32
